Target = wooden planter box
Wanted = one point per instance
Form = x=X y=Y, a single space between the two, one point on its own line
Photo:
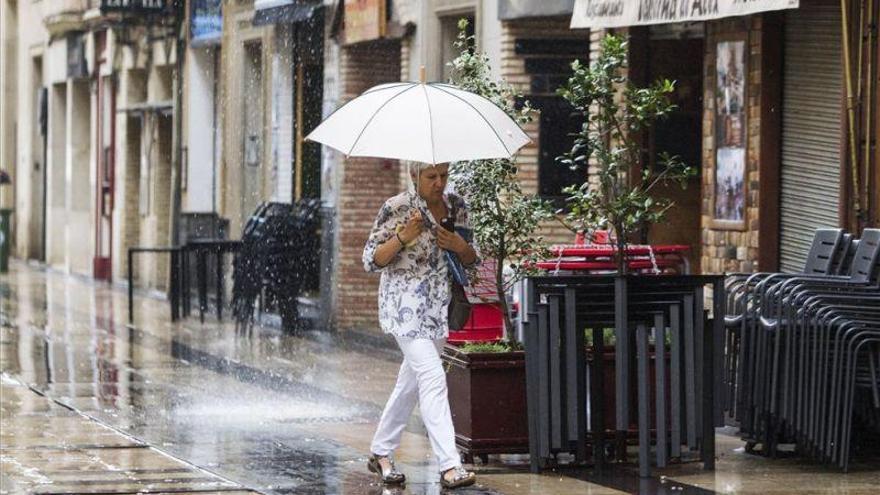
x=487 y=396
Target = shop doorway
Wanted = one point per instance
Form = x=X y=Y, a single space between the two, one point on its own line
x=676 y=53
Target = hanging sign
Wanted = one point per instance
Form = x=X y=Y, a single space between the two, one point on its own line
x=134 y=6
x=206 y=22
x=365 y=20
x=595 y=14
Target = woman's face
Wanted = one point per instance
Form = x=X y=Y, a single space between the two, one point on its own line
x=432 y=182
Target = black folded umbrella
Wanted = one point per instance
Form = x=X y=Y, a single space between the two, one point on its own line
x=4 y=177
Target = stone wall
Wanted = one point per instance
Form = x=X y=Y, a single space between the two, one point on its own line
x=732 y=250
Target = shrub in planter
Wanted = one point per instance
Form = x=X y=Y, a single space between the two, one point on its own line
x=505 y=219
x=487 y=383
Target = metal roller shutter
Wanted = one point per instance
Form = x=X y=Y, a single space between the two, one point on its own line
x=812 y=82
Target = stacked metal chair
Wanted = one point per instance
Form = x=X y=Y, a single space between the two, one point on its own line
x=808 y=363
x=826 y=255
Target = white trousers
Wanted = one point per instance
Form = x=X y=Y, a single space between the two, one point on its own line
x=421 y=378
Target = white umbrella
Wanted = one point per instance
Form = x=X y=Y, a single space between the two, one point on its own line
x=429 y=123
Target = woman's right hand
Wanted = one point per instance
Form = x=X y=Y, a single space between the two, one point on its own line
x=414 y=227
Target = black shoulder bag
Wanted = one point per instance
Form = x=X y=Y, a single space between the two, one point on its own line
x=459 y=306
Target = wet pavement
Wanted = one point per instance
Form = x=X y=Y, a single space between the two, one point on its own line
x=268 y=412
x=48 y=448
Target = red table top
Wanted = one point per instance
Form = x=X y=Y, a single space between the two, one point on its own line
x=599 y=257
x=603 y=265
x=594 y=250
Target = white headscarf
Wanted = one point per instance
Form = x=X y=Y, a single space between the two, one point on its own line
x=415 y=169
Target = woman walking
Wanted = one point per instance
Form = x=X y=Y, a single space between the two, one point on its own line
x=406 y=245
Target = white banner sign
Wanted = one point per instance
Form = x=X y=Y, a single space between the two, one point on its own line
x=595 y=14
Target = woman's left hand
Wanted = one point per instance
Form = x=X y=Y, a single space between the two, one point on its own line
x=451 y=241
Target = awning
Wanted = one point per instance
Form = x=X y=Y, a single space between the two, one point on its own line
x=283 y=11
x=519 y=9
x=596 y=14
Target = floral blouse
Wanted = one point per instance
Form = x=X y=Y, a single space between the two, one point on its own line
x=414 y=290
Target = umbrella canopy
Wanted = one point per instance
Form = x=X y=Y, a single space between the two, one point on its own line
x=429 y=123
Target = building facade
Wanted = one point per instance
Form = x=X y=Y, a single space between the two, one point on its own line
x=107 y=154
x=89 y=104
x=778 y=110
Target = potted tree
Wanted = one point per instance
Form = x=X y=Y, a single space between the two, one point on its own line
x=615 y=114
x=487 y=381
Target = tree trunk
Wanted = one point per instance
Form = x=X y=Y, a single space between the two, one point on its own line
x=502 y=300
x=620 y=255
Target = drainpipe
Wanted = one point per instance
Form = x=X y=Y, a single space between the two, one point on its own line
x=869 y=98
x=176 y=136
x=850 y=110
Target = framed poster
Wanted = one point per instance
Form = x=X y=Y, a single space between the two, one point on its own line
x=731 y=133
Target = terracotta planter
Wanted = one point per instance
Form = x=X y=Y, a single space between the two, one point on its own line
x=487 y=396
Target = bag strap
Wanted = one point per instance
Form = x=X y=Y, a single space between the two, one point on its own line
x=453 y=208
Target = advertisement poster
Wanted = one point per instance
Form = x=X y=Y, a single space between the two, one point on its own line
x=730 y=134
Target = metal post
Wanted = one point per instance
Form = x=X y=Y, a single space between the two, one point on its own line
x=660 y=388
x=202 y=268
x=644 y=407
x=219 y=283
x=621 y=351
x=597 y=397
x=130 y=287
x=174 y=285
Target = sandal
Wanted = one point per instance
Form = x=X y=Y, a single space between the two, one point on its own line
x=390 y=477
x=461 y=477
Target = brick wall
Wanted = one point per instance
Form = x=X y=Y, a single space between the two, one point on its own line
x=732 y=250
x=365 y=185
x=514 y=71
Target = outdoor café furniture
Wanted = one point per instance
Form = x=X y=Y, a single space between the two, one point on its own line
x=807 y=356
x=202 y=249
x=828 y=253
x=583 y=258
x=179 y=286
x=761 y=334
x=641 y=308
x=175 y=294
